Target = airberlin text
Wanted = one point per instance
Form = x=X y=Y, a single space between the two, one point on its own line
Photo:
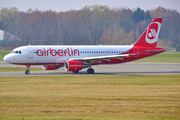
x=60 y=52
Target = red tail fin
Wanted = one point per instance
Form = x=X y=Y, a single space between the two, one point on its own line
x=150 y=37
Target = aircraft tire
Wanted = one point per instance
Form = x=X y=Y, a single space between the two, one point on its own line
x=90 y=71
x=27 y=72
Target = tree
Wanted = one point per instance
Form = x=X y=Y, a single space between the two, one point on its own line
x=1 y=27
x=90 y=25
x=138 y=15
x=131 y=36
x=148 y=16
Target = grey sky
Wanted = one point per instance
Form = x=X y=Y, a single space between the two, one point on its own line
x=66 y=5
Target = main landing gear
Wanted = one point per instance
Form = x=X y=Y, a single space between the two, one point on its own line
x=27 y=71
x=90 y=70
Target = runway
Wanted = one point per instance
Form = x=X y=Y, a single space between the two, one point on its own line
x=116 y=69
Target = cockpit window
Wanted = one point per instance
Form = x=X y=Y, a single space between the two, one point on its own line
x=17 y=52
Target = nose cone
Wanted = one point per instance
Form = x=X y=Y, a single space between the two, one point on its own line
x=7 y=58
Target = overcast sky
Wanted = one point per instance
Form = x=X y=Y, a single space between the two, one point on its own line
x=66 y=5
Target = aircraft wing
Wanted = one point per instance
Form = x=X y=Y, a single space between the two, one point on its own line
x=91 y=60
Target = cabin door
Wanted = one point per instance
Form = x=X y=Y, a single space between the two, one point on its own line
x=30 y=52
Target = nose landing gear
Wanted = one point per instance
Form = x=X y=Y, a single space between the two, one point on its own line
x=27 y=71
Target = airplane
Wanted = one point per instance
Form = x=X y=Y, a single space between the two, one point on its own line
x=75 y=58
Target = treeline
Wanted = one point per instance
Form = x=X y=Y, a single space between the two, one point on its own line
x=89 y=26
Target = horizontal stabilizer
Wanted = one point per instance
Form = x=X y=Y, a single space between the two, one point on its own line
x=155 y=50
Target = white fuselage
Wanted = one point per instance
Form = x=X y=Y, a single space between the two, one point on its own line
x=36 y=55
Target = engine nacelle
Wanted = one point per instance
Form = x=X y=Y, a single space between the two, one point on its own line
x=73 y=65
x=51 y=67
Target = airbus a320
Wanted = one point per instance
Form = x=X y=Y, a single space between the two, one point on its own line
x=75 y=58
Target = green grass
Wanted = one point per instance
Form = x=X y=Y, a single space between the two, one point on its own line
x=106 y=97
x=3 y=53
x=9 y=69
x=166 y=57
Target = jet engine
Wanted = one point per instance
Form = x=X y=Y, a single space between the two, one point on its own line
x=51 y=67
x=73 y=65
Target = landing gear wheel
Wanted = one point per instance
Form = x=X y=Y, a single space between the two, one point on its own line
x=90 y=71
x=75 y=71
x=27 y=71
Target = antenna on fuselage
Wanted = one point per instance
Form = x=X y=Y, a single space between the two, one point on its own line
x=29 y=44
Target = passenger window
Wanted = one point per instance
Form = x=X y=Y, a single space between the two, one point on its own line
x=20 y=52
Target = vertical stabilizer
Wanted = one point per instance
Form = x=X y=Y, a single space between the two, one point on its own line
x=150 y=37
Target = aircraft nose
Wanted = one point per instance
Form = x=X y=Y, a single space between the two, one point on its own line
x=7 y=58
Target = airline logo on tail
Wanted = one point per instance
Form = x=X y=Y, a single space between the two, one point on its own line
x=153 y=32
x=150 y=36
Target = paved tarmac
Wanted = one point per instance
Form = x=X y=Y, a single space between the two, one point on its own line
x=116 y=69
